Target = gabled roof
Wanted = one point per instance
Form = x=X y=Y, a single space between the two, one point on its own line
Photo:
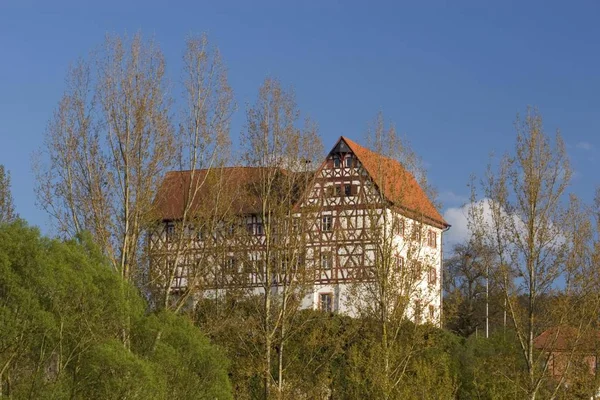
x=397 y=184
x=230 y=189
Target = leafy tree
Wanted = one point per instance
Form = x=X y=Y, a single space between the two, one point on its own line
x=107 y=371
x=61 y=312
x=191 y=367
x=470 y=288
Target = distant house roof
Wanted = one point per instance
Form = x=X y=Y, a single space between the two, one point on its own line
x=566 y=338
x=229 y=188
x=396 y=183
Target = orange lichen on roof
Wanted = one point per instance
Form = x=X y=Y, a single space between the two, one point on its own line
x=396 y=183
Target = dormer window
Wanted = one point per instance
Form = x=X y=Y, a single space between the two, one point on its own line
x=260 y=229
x=170 y=232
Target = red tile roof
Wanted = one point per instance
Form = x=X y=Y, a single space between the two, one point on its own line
x=234 y=186
x=396 y=183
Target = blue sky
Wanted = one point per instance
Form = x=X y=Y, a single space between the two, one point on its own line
x=451 y=76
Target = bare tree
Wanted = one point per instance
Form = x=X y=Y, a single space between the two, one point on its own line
x=202 y=187
x=541 y=242
x=284 y=154
x=107 y=145
x=469 y=288
x=7 y=208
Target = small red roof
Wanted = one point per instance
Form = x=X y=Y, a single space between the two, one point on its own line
x=566 y=338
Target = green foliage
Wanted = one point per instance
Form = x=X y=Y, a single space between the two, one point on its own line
x=67 y=330
x=421 y=360
x=492 y=368
x=72 y=328
x=109 y=372
x=191 y=367
x=330 y=355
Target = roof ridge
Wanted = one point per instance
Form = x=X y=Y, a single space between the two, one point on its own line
x=179 y=171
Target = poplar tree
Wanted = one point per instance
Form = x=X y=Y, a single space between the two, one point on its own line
x=7 y=208
x=542 y=239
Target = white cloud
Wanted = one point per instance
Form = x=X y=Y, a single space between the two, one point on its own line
x=584 y=146
x=460 y=231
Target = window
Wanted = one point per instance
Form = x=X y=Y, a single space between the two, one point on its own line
x=259 y=229
x=230 y=229
x=337 y=191
x=327 y=223
x=230 y=264
x=299 y=263
x=431 y=312
x=326 y=302
x=348 y=190
x=295 y=225
x=417 y=269
x=432 y=239
x=170 y=232
x=418 y=311
x=399 y=262
x=336 y=162
x=416 y=233
x=399 y=228
x=432 y=278
x=348 y=162
x=326 y=260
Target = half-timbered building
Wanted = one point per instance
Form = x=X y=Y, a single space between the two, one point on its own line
x=356 y=219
